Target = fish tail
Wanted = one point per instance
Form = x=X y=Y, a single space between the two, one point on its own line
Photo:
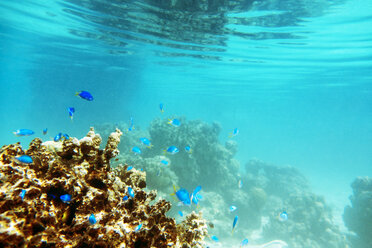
x=169 y=121
x=77 y=93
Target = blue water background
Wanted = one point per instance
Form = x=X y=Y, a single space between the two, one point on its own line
x=305 y=102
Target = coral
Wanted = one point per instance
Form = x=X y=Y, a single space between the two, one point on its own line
x=309 y=223
x=79 y=168
x=358 y=216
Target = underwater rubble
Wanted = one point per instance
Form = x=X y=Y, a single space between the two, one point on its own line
x=69 y=196
x=358 y=216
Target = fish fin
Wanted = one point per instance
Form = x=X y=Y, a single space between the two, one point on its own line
x=169 y=121
x=77 y=93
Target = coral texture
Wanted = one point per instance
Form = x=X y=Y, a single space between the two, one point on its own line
x=358 y=216
x=45 y=218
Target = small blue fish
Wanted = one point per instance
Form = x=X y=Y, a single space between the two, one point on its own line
x=146 y=142
x=45 y=131
x=66 y=198
x=188 y=149
x=92 y=219
x=214 y=238
x=172 y=150
x=195 y=196
x=244 y=243
x=71 y=112
x=234 y=133
x=174 y=122
x=129 y=168
x=65 y=136
x=131 y=126
x=232 y=209
x=240 y=184
x=136 y=150
x=58 y=137
x=182 y=195
x=283 y=216
x=23 y=132
x=22 y=194
x=85 y=95
x=138 y=227
x=161 y=107
x=130 y=192
x=234 y=224
x=125 y=198
x=165 y=162
x=180 y=213
x=24 y=159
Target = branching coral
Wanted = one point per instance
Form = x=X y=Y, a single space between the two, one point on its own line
x=78 y=168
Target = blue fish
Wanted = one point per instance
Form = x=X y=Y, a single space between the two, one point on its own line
x=195 y=196
x=23 y=132
x=22 y=194
x=130 y=192
x=125 y=198
x=234 y=133
x=71 y=112
x=92 y=219
x=232 y=209
x=161 y=107
x=45 y=131
x=174 y=122
x=172 y=150
x=240 y=184
x=214 y=238
x=24 y=159
x=244 y=243
x=138 y=227
x=182 y=195
x=66 y=198
x=58 y=137
x=188 y=149
x=131 y=126
x=146 y=142
x=129 y=168
x=234 y=224
x=85 y=95
x=65 y=136
x=165 y=162
x=180 y=213
x=283 y=216
x=136 y=150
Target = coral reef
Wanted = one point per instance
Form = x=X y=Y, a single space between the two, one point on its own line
x=266 y=191
x=358 y=216
x=310 y=222
x=70 y=180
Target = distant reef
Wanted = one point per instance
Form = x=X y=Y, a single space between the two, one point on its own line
x=358 y=215
x=265 y=190
x=70 y=196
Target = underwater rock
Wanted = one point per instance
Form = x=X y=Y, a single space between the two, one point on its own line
x=358 y=216
x=309 y=225
x=50 y=202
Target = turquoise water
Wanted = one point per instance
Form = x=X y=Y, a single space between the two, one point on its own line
x=295 y=78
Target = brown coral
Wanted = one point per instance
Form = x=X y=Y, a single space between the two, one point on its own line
x=79 y=168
